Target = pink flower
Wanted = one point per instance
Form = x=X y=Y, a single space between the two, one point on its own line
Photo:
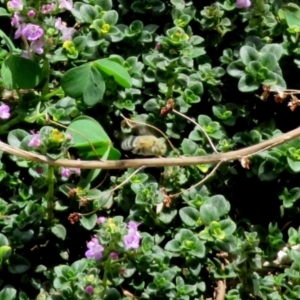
x=65 y=172
x=67 y=4
x=15 y=4
x=101 y=220
x=67 y=33
x=47 y=8
x=32 y=32
x=26 y=54
x=18 y=32
x=132 y=239
x=59 y=24
x=158 y=46
x=243 y=3
x=31 y=13
x=89 y=289
x=16 y=19
x=95 y=249
x=133 y=226
x=114 y=255
x=4 y=111
x=35 y=141
x=37 y=46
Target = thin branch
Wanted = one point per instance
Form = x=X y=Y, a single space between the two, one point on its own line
x=197 y=125
x=213 y=171
x=153 y=162
x=118 y=186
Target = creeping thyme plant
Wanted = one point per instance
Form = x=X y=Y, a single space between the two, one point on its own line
x=217 y=216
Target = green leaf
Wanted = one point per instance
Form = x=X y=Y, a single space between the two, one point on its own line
x=8 y=293
x=248 y=54
x=189 y=216
x=112 y=294
x=111 y=17
x=248 y=84
x=84 y=82
x=4 y=12
x=18 y=264
x=228 y=227
x=208 y=213
x=236 y=69
x=173 y=246
x=87 y=131
x=19 y=72
x=274 y=49
x=291 y=14
x=5 y=253
x=294 y=165
x=114 y=69
x=3 y=240
x=16 y=136
x=198 y=249
x=59 y=231
x=189 y=147
x=222 y=205
x=80 y=265
x=89 y=222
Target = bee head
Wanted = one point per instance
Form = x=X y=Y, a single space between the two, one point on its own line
x=160 y=147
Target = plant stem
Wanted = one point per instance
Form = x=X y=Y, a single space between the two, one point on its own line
x=10 y=123
x=106 y=268
x=7 y=40
x=50 y=193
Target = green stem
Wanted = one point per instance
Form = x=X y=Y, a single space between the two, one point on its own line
x=7 y=40
x=46 y=71
x=106 y=268
x=50 y=193
x=5 y=127
x=170 y=89
x=54 y=93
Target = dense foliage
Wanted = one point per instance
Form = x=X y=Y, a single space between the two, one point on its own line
x=76 y=76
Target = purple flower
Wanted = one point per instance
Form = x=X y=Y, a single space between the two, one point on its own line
x=15 y=4
x=95 y=249
x=4 y=111
x=65 y=172
x=26 y=54
x=59 y=24
x=158 y=46
x=47 y=8
x=67 y=4
x=16 y=19
x=101 y=220
x=133 y=226
x=31 y=13
x=35 y=141
x=114 y=255
x=37 y=46
x=69 y=136
x=32 y=32
x=67 y=33
x=89 y=289
x=243 y=3
x=18 y=32
x=132 y=240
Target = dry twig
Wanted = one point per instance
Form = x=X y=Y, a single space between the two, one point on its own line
x=153 y=162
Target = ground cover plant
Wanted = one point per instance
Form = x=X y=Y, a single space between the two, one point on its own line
x=149 y=149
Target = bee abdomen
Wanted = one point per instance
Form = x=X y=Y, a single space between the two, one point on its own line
x=128 y=143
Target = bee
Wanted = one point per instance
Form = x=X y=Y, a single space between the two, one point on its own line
x=145 y=145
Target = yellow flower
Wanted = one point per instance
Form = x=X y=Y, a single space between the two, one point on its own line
x=105 y=28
